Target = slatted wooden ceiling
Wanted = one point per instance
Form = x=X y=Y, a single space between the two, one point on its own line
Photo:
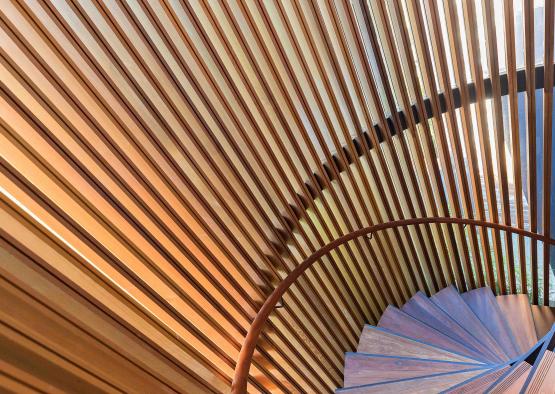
x=165 y=163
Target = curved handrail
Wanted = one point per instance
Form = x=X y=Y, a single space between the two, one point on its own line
x=239 y=385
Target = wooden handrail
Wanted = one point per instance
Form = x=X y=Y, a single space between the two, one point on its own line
x=239 y=385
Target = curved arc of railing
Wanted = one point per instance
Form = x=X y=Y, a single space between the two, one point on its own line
x=240 y=379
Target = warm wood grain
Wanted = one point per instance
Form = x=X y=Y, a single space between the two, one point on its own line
x=189 y=155
x=544 y=318
x=363 y=369
x=484 y=305
x=422 y=308
x=543 y=380
x=399 y=322
x=422 y=385
x=377 y=341
x=452 y=303
x=517 y=313
x=479 y=383
x=514 y=381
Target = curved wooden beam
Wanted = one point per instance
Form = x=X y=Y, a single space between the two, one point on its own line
x=239 y=385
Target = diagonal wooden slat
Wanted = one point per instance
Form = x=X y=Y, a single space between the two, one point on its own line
x=168 y=163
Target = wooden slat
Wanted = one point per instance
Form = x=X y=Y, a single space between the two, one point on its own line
x=445 y=83
x=531 y=151
x=425 y=59
x=549 y=18
x=508 y=12
x=483 y=133
x=164 y=165
x=503 y=187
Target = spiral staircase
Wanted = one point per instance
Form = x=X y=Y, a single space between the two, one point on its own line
x=456 y=343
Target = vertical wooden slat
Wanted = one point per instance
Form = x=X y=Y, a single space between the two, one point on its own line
x=164 y=165
x=458 y=63
x=403 y=91
x=284 y=201
x=549 y=21
x=503 y=187
x=452 y=127
x=483 y=133
x=531 y=151
x=381 y=121
x=413 y=82
x=373 y=28
x=349 y=140
x=508 y=8
x=427 y=70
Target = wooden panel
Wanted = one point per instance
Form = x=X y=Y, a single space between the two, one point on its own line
x=485 y=307
x=401 y=323
x=174 y=160
x=423 y=309
x=453 y=304
x=544 y=378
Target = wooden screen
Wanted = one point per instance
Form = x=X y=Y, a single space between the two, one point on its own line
x=165 y=163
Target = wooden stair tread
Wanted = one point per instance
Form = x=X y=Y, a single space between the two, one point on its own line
x=484 y=305
x=516 y=309
x=478 y=384
x=449 y=300
x=456 y=343
x=514 y=381
x=399 y=322
x=379 y=341
x=361 y=368
x=424 y=310
x=544 y=318
x=424 y=385
x=529 y=357
x=543 y=379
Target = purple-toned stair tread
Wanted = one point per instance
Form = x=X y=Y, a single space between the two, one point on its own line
x=421 y=308
x=478 y=384
x=453 y=343
x=422 y=385
x=379 y=341
x=484 y=305
x=363 y=368
x=399 y=322
x=516 y=309
x=453 y=304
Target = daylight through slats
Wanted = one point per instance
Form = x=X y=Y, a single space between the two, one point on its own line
x=165 y=164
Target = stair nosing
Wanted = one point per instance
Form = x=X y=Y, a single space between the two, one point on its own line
x=549 y=335
x=363 y=354
x=500 y=366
